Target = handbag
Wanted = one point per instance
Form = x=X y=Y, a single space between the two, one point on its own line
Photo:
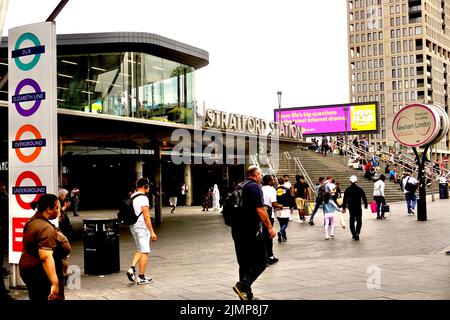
x=339 y=201
x=373 y=206
x=341 y=219
x=385 y=208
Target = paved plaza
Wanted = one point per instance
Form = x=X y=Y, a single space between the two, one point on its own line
x=396 y=259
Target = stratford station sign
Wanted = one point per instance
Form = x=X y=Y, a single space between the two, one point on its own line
x=231 y=122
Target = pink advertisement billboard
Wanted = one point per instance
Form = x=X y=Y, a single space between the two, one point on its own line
x=353 y=118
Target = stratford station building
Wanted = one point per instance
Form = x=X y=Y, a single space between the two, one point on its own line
x=120 y=97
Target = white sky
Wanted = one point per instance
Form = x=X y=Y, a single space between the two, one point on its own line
x=256 y=47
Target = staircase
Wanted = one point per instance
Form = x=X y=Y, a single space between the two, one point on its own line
x=332 y=165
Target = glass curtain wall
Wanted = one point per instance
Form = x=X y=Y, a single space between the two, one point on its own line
x=128 y=84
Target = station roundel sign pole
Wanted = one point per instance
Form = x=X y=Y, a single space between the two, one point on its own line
x=420 y=125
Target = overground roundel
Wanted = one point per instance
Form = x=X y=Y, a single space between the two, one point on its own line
x=27 y=66
x=37 y=151
x=27 y=175
x=37 y=97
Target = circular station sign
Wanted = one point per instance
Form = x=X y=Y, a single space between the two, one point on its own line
x=444 y=124
x=416 y=125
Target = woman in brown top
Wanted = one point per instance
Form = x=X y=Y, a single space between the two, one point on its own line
x=43 y=264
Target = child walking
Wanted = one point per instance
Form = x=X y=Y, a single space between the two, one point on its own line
x=329 y=208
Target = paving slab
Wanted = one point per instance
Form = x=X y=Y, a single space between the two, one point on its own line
x=194 y=259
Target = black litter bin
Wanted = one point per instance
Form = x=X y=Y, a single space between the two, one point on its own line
x=443 y=190
x=101 y=246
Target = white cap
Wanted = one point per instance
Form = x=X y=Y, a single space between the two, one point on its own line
x=353 y=179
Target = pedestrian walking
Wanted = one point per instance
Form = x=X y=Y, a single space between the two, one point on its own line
x=329 y=208
x=207 y=199
x=324 y=147
x=301 y=191
x=173 y=196
x=43 y=263
x=75 y=199
x=184 y=191
x=64 y=222
x=353 y=196
x=378 y=195
x=247 y=235
x=216 y=198
x=319 y=198
x=409 y=186
x=270 y=201
x=285 y=200
x=142 y=232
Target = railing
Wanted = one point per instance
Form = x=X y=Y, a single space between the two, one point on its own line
x=404 y=161
x=303 y=171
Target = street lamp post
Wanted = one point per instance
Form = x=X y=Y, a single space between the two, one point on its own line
x=346 y=140
x=279 y=93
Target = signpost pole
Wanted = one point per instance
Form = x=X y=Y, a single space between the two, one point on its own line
x=346 y=140
x=422 y=201
x=432 y=174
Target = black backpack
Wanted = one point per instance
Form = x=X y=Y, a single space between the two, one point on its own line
x=233 y=204
x=126 y=214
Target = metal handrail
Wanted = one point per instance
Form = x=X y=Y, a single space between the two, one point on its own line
x=303 y=171
x=407 y=163
x=307 y=177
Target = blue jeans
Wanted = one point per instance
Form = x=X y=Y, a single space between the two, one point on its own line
x=316 y=208
x=283 y=226
x=411 y=200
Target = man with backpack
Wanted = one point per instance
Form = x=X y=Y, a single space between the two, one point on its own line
x=142 y=232
x=409 y=186
x=247 y=233
x=320 y=187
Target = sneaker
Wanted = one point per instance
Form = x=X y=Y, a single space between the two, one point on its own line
x=299 y=221
x=76 y=215
x=279 y=237
x=273 y=260
x=144 y=280
x=311 y=222
x=242 y=294
x=327 y=238
x=332 y=236
x=357 y=237
x=284 y=239
x=131 y=274
x=447 y=253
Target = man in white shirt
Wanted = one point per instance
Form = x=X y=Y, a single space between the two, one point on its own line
x=408 y=183
x=142 y=232
x=270 y=201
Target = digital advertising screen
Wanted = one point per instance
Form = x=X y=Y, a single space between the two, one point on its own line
x=355 y=118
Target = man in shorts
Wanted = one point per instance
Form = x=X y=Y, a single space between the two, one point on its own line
x=142 y=232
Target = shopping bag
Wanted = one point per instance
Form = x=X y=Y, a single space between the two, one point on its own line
x=339 y=201
x=385 y=208
x=342 y=219
x=309 y=207
x=373 y=206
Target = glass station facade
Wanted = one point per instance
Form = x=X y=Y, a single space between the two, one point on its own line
x=127 y=84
